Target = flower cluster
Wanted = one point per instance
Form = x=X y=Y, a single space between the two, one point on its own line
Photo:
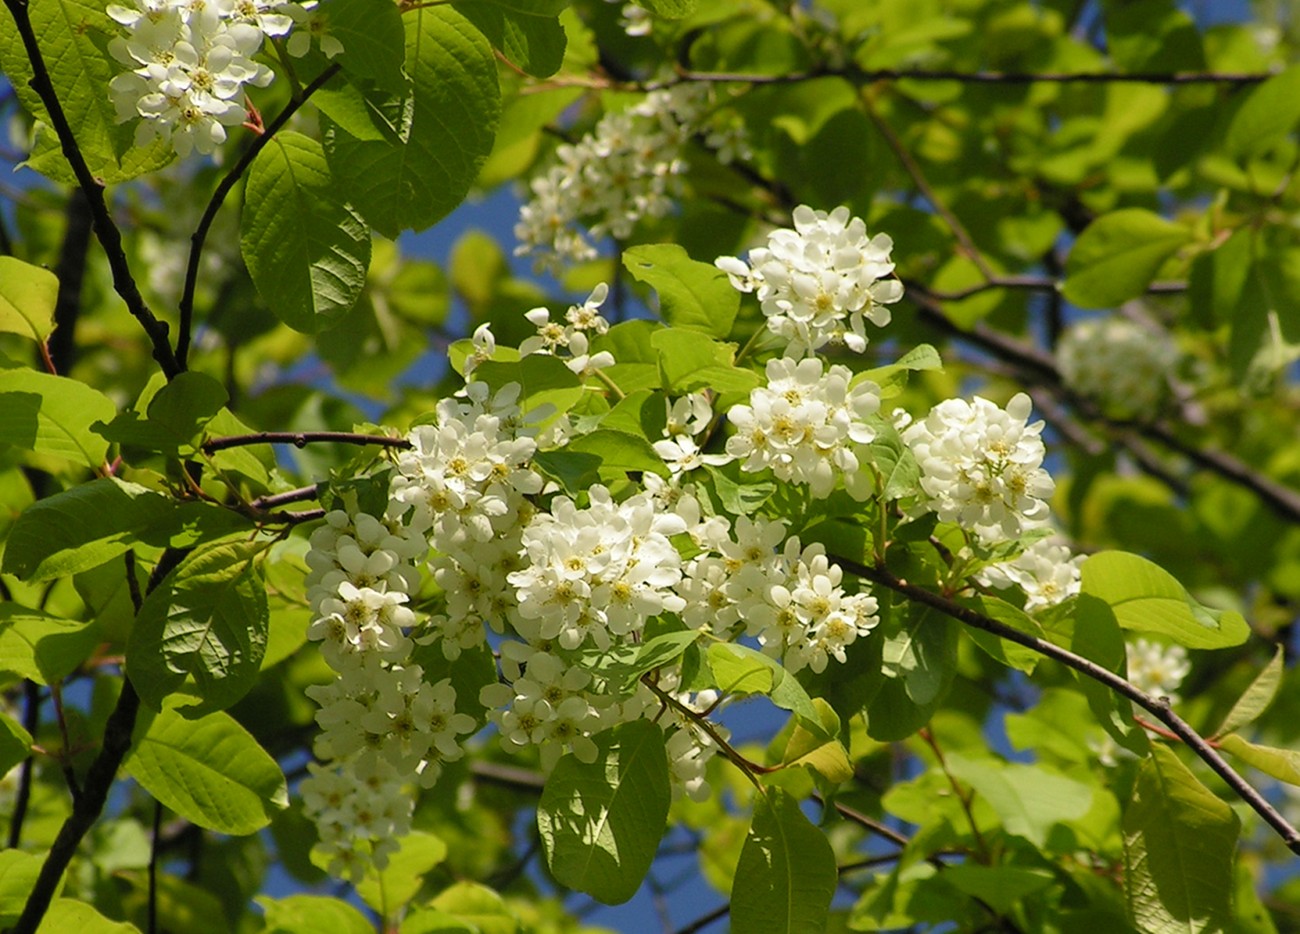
x=804 y=425
x=818 y=283
x=791 y=599
x=1156 y=668
x=1120 y=365
x=981 y=466
x=1046 y=571
x=382 y=722
x=189 y=63
x=570 y=336
x=626 y=169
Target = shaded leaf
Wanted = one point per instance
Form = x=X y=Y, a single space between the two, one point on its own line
x=786 y=875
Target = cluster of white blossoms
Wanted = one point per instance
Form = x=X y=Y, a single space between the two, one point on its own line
x=570 y=336
x=1122 y=366
x=820 y=282
x=1156 y=668
x=981 y=466
x=625 y=169
x=189 y=62
x=382 y=724
x=791 y=599
x=1047 y=571
x=804 y=425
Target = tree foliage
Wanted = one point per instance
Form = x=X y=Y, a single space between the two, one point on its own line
x=902 y=532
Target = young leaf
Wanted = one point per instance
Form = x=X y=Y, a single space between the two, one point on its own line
x=306 y=250
x=299 y=914
x=68 y=914
x=601 y=822
x=1029 y=799
x=738 y=669
x=52 y=415
x=15 y=743
x=18 y=872
x=1179 y=843
x=1256 y=698
x=409 y=184
x=1266 y=116
x=1117 y=256
x=1145 y=597
x=175 y=414
x=27 y=296
x=396 y=884
x=210 y=771
x=42 y=647
x=618 y=450
x=786 y=875
x=692 y=295
x=207 y=620
x=1282 y=764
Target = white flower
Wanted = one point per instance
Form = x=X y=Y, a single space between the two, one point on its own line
x=818 y=282
x=1157 y=669
x=981 y=466
x=1046 y=572
x=310 y=23
x=1118 y=364
x=804 y=424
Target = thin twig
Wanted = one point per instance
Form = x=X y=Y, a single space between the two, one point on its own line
x=152 y=921
x=31 y=721
x=110 y=238
x=228 y=181
x=300 y=439
x=1157 y=706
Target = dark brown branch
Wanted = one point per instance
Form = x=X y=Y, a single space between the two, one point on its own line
x=300 y=495
x=1157 y=706
x=300 y=439
x=31 y=721
x=89 y=804
x=110 y=238
x=70 y=271
x=228 y=181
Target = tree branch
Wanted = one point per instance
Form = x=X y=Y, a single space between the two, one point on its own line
x=300 y=439
x=1157 y=706
x=110 y=238
x=31 y=721
x=228 y=181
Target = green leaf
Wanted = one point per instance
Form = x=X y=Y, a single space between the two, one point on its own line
x=1028 y=799
x=619 y=450
x=374 y=42
x=396 y=884
x=18 y=872
x=918 y=663
x=786 y=875
x=74 y=36
x=1097 y=637
x=1118 y=255
x=210 y=771
x=299 y=914
x=410 y=184
x=688 y=362
x=91 y=524
x=693 y=295
x=42 y=647
x=27 y=297
x=1179 y=842
x=207 y=620
x=15 y=743
x=1011 y=654
x=669 y=9
x=601 y=822
x=1266 y=116
x=895 y=462
x=1256 y=698
x=68 y=914
x=477 y=904
x=52 y=415
x=534 y=42
x=892 y=378
x=1143 y=596
x=175 y=414
x=306 y=250
x=1001 y=887
x=820 y=749
x=738 y=669
x=543 y=381
x=1282 y=764
x=622 y=665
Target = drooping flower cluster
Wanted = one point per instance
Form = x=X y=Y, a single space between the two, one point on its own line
x=1156 y=668
x=624 y=170
x=981 y=466
x=820 y=282
x=383 y=724
x=1046 y=571
x=1122 y=366
x=189 y=62
x=791 y=599
x=804 y=425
